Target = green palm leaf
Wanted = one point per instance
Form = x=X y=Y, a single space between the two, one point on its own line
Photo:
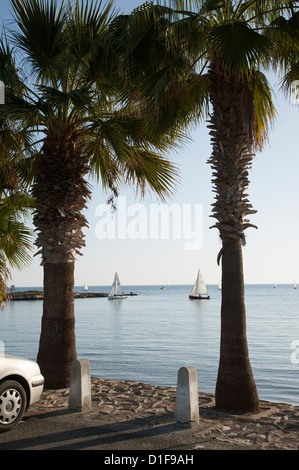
x=238 y=46
x=42 y=35
x=15 y=237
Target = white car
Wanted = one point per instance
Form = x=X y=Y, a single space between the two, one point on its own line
x=21 y=384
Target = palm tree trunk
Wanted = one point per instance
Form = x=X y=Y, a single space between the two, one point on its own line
x=61 y=193
x=231 y=157
x=57 y=348
x=235 y=389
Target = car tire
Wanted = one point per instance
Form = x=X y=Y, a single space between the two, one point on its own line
x=13 y=402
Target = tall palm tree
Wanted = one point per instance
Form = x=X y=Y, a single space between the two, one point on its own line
x=231 y=45
x=75 y=111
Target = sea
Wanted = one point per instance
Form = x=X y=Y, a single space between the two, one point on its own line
x=149 y=336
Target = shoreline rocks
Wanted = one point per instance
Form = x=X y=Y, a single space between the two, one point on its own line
x=39 y=295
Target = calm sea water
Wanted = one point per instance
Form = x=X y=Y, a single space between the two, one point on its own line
x=148 y=337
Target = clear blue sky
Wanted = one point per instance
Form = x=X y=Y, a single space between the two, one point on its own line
x=271 y=254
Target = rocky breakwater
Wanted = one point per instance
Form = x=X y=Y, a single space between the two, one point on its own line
x=39 y=295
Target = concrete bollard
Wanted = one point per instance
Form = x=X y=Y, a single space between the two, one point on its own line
x=186 y=404
x=80 y=387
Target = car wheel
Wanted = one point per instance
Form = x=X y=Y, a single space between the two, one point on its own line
x=12 y=404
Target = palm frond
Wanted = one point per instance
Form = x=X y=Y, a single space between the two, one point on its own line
x=16 y=244
x=264 y=109
x=147 y=169
x=238 y=46
x=4 y=277
x=284 y=33
x=42 y=36
x=15 y=237
x=120 y=152
x=9 y=73
x=22 y=109
x=56 y=98
x=291 y=76
x=88 y=27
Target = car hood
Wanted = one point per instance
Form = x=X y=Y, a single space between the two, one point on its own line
x=10 y=365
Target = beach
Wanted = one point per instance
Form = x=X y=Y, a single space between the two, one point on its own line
x=136 y=416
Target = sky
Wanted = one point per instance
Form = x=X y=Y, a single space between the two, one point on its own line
x=143 y=251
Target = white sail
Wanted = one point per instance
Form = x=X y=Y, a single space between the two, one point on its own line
x=116 y=289
x=85 y=286
x=199 y=287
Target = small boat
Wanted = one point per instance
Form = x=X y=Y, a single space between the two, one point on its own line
x=85 y=286
x=116 y=292
x=199 y=290
x=295 y=285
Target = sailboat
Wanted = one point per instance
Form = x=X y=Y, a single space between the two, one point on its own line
x=199 y=290
x=116 y=290
x=85 y=286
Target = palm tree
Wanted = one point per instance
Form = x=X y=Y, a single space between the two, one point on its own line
x=75 y=111
x=15 y=202
x=230 y=46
